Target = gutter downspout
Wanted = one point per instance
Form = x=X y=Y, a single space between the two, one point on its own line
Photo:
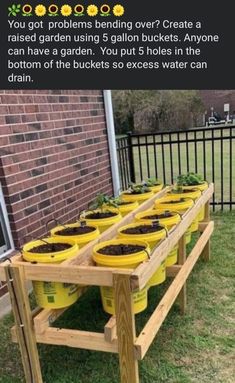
x=112 y=141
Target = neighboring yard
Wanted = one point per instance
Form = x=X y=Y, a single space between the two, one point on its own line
x=196 y=348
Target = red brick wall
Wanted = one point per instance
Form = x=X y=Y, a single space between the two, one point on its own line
x=54 y=156
x=217 y=99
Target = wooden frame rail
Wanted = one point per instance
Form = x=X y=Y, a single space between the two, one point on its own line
x=119 y=336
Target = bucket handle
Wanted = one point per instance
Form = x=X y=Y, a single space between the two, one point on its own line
x=148 y=254
x=6 y=259
x=39 y=239
x=56 y=222
x=82 y=223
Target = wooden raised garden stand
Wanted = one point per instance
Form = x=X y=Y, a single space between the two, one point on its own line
x=119 y=336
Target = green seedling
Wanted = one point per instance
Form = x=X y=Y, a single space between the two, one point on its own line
x=138 y=188
x=152 y=182
x=102 y=202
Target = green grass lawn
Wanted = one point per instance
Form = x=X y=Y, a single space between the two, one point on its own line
x=196 y=348
x=222 y=170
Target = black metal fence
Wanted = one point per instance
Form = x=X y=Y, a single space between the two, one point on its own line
x=165 y=155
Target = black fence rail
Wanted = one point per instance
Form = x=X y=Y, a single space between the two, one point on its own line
x=165 y=155
x=125 y=160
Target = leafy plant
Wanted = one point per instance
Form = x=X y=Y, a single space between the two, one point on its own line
x=14 y=9
x=177 y=189
x=189 y=179
x=138 y=188
x=101 y=202
x=152 y=182
x=117 y=201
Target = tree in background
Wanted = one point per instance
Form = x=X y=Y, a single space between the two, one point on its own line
x=153 y=110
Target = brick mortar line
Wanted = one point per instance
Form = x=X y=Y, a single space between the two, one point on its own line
x=61 y=217
x=46 y=121
x=41 y=166
x=51 y=95
x=43 y=112
x=50 y=138
x=48 y=207
x=48 y=102
x=54 y=154
x=25 y=199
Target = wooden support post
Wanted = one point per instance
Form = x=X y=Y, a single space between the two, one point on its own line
x=125 y=329
x=24 y=323
x=151 y=328
x=172 y=271
x=110 y=330
x=207 y=212
x=182 y=298
x=206 y=252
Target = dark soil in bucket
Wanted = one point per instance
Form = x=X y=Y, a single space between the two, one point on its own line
x=50 y=248
x=158 y=216
x=120 y=249
x=184 y=191
x=124 y=203
x=99 y=215
x=137 y=192
x=176 y=201
x=142 y=229
x=76 y=230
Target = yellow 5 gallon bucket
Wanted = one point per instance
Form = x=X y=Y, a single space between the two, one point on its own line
x=194 y=226
x=181 y=205
x=52 y=294
x=140 y=198
x=194 y=193
x=152 y=239
x=174 y=203
x=156 y=188
x=126 y=208
x=165 y=218
x=172 y=257
x=102 y=223
x=203 y=186
x=81 y=238
x=130 y=261
x=188 y=237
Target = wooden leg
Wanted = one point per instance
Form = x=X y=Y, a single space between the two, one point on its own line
x=126 y=333
x=182 y=298
x=24 y=324
x=206 y=251
x=207 y=212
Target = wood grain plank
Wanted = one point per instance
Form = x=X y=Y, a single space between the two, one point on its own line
x=182 y=298
x=125 y=329
x=24 y=324
x=145 y=270
x=150 y=330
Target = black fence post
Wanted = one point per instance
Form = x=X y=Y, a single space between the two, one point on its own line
x=131 y=157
